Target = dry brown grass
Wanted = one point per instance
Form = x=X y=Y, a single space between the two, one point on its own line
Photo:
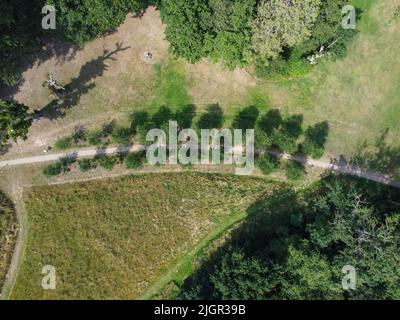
x=113 y=238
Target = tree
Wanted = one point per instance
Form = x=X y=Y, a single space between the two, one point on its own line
x=82 y=20
x=15 y=121
x=279 y=24
x=19 y=28
x=315 y=140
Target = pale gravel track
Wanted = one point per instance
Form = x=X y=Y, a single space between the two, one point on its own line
x=84 y=153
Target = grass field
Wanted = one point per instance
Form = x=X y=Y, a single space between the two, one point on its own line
x=115 y=238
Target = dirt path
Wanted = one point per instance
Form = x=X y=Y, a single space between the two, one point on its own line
x=341 y=168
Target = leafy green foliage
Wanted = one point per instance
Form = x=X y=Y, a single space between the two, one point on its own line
x=63 y=143
x=220 y=29
x=105 y=161
x=267 y=163
x=82 y=20
x=87 y=165
x=272 y=130
x=122 y=135
x=15 y=121
x=281 y=24
x=294 y=170
x=134 y=160
x=52 y=169
x=19 y=27
x=315 y=140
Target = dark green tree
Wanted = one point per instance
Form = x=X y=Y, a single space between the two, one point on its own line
x=15 y=121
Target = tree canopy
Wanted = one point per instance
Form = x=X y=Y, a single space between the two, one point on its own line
x=14 y=121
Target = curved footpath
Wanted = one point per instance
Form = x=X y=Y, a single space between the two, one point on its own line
x=83 y=153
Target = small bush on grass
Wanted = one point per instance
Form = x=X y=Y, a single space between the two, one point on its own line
x=106 y=162
x=52 y=170
x=294 y=170
x=268 y=163
x=87 y=165
x=63 y=143
x=135 y=160
x=79 y=134
x=121 y=135
x=315 y=140
x=95 y=138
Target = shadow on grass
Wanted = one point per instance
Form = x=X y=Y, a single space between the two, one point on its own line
x=80 y=85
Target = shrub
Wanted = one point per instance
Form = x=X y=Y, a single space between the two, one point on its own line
x=106 y=162
x=95 y=138
x=294 y=170
x=135 y=160
x=86 y=165
x=121 y=135
x=268 y=163
x=79 y=134
x=315 y=140
x=63 y=143
x=52 y=169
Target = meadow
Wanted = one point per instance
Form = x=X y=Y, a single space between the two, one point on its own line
x=115 y=238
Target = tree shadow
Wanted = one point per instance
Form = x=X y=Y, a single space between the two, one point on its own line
x=80 y=85
x=271 y=226
x=47 y=48
x=379 y=156
x=212 y=119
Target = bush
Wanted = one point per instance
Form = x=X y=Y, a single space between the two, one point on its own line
x=315 y=140
x=122 y=135
x=52 y=169
x=86 y=165
x=106 y=162
x=63 y=143
x=79 y=134
x=294 y=170
x=95 y=138
x=135 y=160
x=295 y=65
x=268 y=163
